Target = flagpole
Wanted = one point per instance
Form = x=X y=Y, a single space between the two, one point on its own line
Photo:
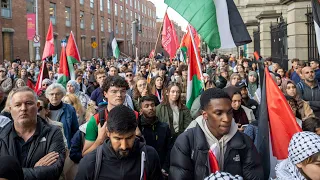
x=197 y=57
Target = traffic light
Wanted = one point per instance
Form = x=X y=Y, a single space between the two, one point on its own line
x=134 y=33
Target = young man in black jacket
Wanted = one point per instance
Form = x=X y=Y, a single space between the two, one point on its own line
x=156 y=133
x=234 y=151
x=122 y=156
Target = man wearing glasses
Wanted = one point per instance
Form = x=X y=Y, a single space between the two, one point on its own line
x=130 y=81
x=114 y=90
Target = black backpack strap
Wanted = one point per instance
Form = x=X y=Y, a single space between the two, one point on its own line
x=98 y=162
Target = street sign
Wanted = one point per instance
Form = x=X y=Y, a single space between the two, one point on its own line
x=36 y=44
x=94 y=45
x=63 y=43
x=36 y=39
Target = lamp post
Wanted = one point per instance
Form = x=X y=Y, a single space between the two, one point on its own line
x=37 y=32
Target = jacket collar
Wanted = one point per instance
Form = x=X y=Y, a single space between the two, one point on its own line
x=41 y=123
x=145 y=123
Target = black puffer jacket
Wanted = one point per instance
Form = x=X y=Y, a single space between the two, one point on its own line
x=189 y=157
x=50 y=139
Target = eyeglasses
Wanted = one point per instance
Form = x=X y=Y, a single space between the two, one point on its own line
x=128 y=75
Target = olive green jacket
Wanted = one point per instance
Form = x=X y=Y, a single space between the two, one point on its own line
x=165 y=114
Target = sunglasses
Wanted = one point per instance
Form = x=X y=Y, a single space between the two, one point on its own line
x=128 y=75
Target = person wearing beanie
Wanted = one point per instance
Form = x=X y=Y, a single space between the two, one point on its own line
x=303 y=159
x=122 y=155
x=10 y=168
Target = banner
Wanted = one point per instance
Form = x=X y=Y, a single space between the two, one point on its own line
x=31 y=26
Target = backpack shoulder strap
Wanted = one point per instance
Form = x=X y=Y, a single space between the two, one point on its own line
x=98 y=162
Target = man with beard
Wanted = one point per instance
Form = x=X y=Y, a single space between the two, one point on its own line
x=309 y=89
x=114 y=90
x=122 y=156
x=246 y=101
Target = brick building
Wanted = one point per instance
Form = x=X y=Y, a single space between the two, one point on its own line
x=90 y=20
x=179 y=33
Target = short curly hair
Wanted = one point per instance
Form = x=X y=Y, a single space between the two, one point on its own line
x=116 y=81
x=212 y=93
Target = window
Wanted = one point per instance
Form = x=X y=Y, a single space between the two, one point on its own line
x=91 y=3
x=135 y=15
x=135 y=4
x=81 y=19
x=92 y=21
x=30 y=6
x=128 y=27
x=68 y=17
x=126 y=1
x=121 y=11
x=131 y=15
x=109 y=7
x=117 y=28
x=138 y=6
x=131 y=3
x=127 y=14
x=109 y=25
x=81 y=2
x=52 y=12
x=101 y=5
x=6 y=8
x=102 y=24
x=122 y=28
x=116 y=9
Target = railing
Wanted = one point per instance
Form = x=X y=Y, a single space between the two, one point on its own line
x=312 y=42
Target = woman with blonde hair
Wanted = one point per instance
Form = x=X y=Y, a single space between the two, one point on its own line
x=75 y=102
x=19 y=83
x=6 y=109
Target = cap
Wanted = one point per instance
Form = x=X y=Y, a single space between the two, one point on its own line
x=241 y=85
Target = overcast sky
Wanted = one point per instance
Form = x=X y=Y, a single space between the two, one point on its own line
x=161 y=8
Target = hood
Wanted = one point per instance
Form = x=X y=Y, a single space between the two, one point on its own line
x=211 y=139
x=286 y=170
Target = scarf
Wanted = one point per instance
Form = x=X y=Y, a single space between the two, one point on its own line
x=240 y=116
x=252 y=88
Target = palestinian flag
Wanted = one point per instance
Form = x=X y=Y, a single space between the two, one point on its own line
x=114 y=45
x=183 y=50
x=316 y=19
x=276 y=120
x=63 y=71
x=49 y=46
x=44 y=73
x=217 y=21
x=194 y=84
x=73 y=55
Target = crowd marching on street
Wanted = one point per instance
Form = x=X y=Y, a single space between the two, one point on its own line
x=187 y=116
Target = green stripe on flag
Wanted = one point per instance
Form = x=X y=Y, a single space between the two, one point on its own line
x=71 y=61
x=202 y=16
x=63 y=80
x=196 y=88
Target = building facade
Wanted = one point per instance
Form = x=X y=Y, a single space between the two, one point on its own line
x=89 y=20
x=179 y=33
x=280 y=29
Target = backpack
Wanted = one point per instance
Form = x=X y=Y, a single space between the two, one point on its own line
x=99 y=155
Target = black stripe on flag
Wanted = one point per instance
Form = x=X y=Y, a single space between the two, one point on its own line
x=238 y=29
x=263 y=127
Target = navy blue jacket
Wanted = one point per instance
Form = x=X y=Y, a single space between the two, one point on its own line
x=76 y=147
x=158 y=136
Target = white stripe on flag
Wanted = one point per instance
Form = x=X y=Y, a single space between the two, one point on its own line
x=223 y=24
x=317 y=29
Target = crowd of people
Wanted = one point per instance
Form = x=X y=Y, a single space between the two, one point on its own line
x=128 y=119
